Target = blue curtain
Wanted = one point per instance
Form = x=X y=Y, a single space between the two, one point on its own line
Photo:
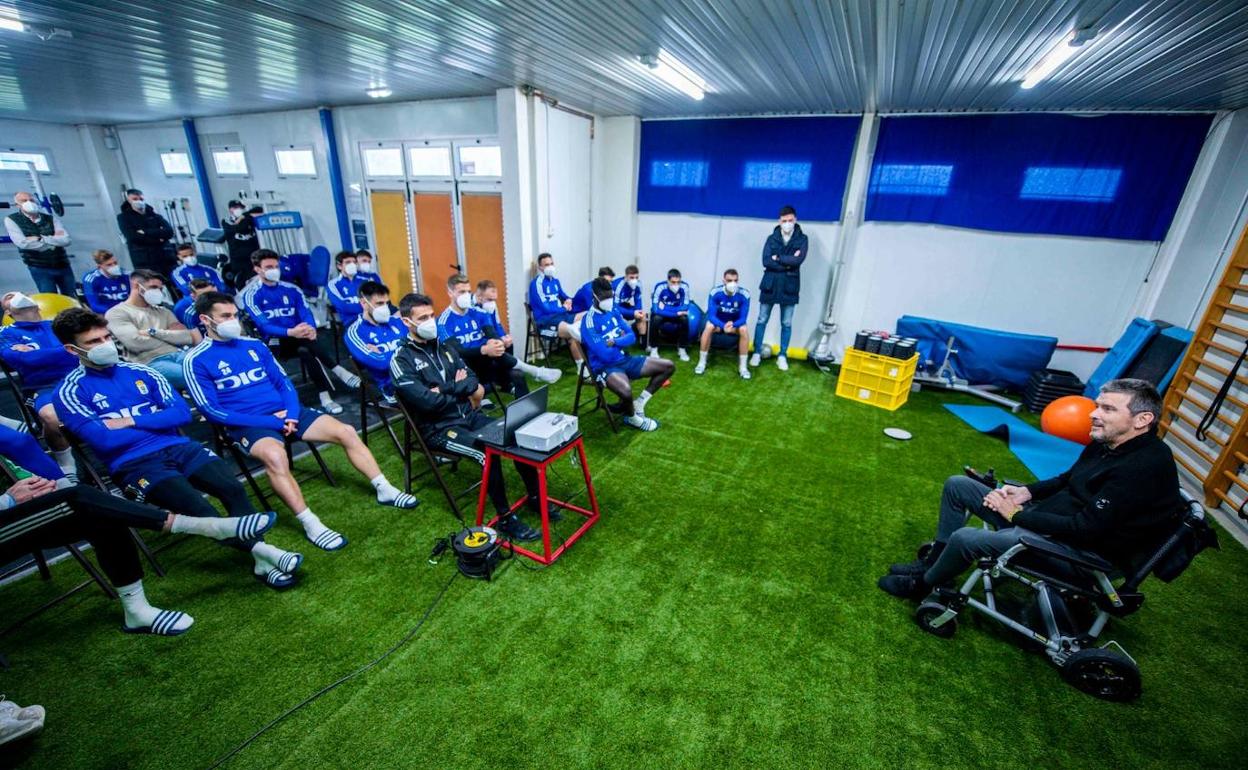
x=746 y=167
x=1110 y=176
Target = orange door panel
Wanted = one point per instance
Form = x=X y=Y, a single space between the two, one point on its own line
x=394 y=246
x=435 y=244
x=483 y=242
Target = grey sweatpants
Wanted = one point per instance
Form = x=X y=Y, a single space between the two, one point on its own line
x=964 y=545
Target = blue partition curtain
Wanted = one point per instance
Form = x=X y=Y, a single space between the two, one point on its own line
x=1109 y=176
x=746 y=167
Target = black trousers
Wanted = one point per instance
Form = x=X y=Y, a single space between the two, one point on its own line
x=466 y=442
x=314 y=354
x=676 y=328
x=499 y=370
x=182 y=494
x=80 y=513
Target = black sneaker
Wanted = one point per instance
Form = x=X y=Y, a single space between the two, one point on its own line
x=904 y=586
x=515 y=529
x=911 y=568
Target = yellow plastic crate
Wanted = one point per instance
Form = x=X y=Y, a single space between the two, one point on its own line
x=869 y=378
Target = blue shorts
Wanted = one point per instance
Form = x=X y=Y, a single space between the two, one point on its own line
x=629 y=367
x=149 y=470
x=549 y=326
x=246 y=437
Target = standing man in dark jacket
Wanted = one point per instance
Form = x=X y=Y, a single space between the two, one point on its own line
x=783 y=255
x=147 y=234
x=1119 y=499
x=438 y=389
x=240 y=238
x=41 y=239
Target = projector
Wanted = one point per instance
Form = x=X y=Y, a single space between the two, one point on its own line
x=547 y=431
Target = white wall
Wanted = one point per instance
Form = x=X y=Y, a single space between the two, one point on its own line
x=92 y=225
x=617 y=152
x=562 y=177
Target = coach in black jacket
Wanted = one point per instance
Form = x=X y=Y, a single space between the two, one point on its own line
x=147 y=235
x=1120 y=499
x=439 y=389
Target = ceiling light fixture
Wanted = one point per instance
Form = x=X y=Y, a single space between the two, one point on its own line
x=12 y=24
x=378 y=92
x=1069 y=46
x=672 y=71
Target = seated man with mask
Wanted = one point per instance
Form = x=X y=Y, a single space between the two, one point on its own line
x=344 y=289
x=107 y=284
x=435 y=384
x=605 y=334
x=628 y=299
x=150 y=333
x=189 y=269
x=184 y=309
x=1120 y=498
x=552 y=309
x=29 y=347
x=670 y=300
x=130 y=417
x=374 y=337
x=364 y=265
x=726 y=312
x=584 y=298
x=486 y=300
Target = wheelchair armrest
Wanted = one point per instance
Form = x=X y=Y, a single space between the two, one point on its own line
x=1066 y=553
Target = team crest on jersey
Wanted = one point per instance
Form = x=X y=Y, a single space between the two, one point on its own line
x=420 y=365
x=140 y=386
x=143 y=483
x=253 y=355
x=224 y=367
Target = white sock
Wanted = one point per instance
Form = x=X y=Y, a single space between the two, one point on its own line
x=138 y=613
x=326 y=399
x=579 y=362
x=343 y=374
x=65 y=459
x=702 y=357
x=271 y=557
x=12 y=424
x=639 y=403
x=312 y=525
x=741 y=361
x=654 y=351
x=525 y=367
x=209 y=526
x=385 y=490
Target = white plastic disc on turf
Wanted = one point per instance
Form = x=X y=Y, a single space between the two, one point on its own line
x=897 y=433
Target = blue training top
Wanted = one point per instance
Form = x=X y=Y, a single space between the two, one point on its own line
x=102 y=291
x=238 y=383
x=546 y=297
x=183 y=275
x=467 y=329
x=723 y=308
x=46 y=365
x=24 y=451
x=627 y=298
x=344 y=295
x=386 y=338
x=667 y=303
x=597 y=328
x=275 y=309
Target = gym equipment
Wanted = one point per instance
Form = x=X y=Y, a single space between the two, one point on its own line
x=870 y=378
x=1071 y=599
x=1069 y=417
x=1044 y=455
x=283 y=231
x=1148 y=350
x=177 y=212
x=1046 y=385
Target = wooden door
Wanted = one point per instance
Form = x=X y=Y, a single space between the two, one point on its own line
x=482 y=214
x=435 y=243
x=394 y=246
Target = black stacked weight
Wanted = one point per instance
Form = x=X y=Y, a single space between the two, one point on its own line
x=1047 y=385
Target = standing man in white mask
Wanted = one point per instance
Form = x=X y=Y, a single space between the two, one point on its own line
x=41 y=239
x=783 y=255
x=727 y=312
x=147 y=234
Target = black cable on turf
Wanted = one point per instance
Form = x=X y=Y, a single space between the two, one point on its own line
x=410 y=635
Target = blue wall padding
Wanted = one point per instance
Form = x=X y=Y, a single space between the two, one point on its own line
x=1120 y=356
x=985 y=356
x=1044 y=455
x=1108 y=176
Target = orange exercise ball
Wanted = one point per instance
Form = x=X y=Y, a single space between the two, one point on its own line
x=1069 y=417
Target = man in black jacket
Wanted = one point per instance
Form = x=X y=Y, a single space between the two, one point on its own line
x=147 y=235
x=783 y=255
x=438 y=388
x=240 y=239
x=1119 y=499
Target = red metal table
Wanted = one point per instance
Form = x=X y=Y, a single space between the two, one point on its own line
x=541 y=461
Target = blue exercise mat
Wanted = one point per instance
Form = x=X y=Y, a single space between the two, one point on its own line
x=1044 y=455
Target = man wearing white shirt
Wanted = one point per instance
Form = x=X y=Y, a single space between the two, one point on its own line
x=41 y=239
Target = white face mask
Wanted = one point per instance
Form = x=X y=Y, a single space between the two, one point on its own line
x=549 y=271
x=673 y=289
x=381 y=314
x=104 y=354
x=633 y=283
x=427 y=329
x=605 y=305
x=489 y=306
x=731 y=287
x=463 y=301
x=365 y=267
x=30 y=207
x=272 y=274
x=20 y=301
x=138 y=205
x=190 y=261
x=112 y=270
x=153 y=296
x=787 y=227
x=230 y=330
x=236 y=213
x=350 y=269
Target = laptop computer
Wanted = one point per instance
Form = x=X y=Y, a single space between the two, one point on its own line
x=502 y=432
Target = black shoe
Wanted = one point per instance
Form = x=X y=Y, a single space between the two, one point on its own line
x=515 y=529
x=552 y=513
x=904 y=586
x=616 y=408
x=910 y=568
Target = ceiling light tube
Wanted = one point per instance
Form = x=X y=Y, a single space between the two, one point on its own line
x=1069 y=46
x=12 y=24
x=672 y=71
x=379 y=92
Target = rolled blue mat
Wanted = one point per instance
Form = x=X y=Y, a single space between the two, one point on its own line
x=1044 y=455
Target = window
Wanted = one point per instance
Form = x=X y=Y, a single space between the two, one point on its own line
x=295 y=161
x=383 y=161
x=911 y=179
x=776 y=175
x=14 y=159
x=176 y=163
x=480 y=160
x=679 y=173
x=229 y=161
x=429 y=161
x=1056 y=183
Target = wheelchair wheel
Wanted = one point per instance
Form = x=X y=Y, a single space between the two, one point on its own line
x=927 y=613
x=1104 y=674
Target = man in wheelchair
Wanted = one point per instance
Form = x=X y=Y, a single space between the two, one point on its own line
x=1117 y=511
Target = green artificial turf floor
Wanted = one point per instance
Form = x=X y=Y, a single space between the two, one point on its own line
x=723 y=613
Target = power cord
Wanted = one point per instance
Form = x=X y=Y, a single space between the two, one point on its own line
x=410 y=635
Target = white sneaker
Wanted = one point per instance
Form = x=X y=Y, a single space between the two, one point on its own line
x=13 y=727
x=755 y=360
x=684 y=354
x=744 y=372
x=699 y=369
x=654 y=353
x=486 y=404
x=547 y=375
x=782 y=363
x=642 y=423
x=10 y=710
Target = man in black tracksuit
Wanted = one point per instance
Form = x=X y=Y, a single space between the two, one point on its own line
x=241 y=240
x=1120 y=499
x=147 y=235
x=438 y=388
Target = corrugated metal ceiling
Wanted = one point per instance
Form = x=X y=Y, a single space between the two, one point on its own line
x=129 y=62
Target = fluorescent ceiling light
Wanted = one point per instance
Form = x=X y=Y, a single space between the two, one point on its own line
x=1069 y=46
x=672 y=71
x=12 y=24
x=379 y=92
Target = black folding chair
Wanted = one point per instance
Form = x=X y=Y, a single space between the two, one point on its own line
x=247 y=467
x=21 y=396
x=435 y=458
x=547 y=343
x=371 y=398
x=600 y=398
